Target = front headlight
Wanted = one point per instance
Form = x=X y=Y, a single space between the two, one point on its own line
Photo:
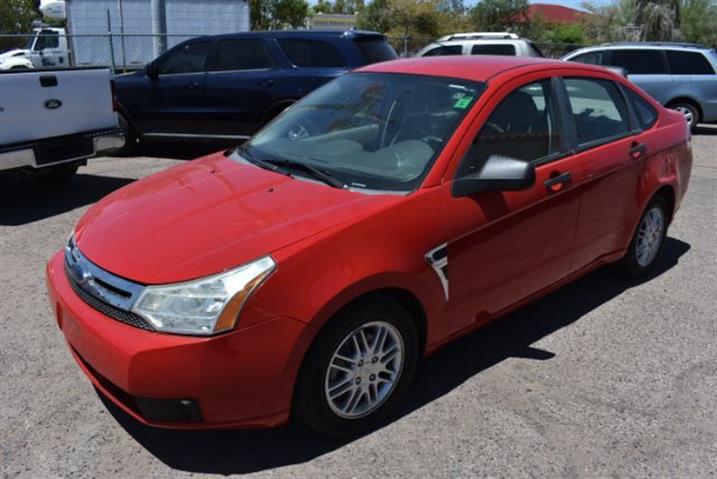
x=205 y=306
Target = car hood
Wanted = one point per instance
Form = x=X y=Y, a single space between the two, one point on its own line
x=12 y=53
x=207 y=216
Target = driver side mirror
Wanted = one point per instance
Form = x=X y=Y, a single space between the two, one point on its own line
x=151 y=71
x=499 y=173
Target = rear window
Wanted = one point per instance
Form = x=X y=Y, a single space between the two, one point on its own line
x=376 y=50
x=646 y=114
x=495 y=49
x=639 y=62
x=311 y=53
x=444 y=50
x=688 y=63
x=242 y=55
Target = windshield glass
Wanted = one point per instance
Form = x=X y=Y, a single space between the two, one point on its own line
x=369 y=130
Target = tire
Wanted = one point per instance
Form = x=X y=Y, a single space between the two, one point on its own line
x=648 y=240
x=691 y=113
x=130 y=138
x=368 y=386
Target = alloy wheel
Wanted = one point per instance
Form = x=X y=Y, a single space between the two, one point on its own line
x=649 y=236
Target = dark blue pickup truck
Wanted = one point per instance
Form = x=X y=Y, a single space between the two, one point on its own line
x=225 y=87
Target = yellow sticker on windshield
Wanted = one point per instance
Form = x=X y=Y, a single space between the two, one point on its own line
x=463 y=103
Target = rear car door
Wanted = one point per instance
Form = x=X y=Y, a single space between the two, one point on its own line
x=646 y=67
x=694 y=77
x=244 y=82
x=611 y=151
x=175 y=104
x=509 y=245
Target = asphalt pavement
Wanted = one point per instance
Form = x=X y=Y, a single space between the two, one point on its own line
x=605 y=377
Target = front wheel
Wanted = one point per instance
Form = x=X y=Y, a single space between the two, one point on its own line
x=647 y=241
x=358 y=369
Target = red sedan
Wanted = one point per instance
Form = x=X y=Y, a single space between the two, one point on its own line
x=387 y=213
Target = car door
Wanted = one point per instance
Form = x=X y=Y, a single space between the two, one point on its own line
x=509 y=245
x=646 y=67
x=611 y=151
x=244 y=83
x=175 y=105
x=694 y=77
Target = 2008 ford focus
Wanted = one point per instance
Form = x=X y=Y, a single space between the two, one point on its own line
x=398 y=207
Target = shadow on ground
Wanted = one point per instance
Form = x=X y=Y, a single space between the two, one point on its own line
x=228 y=452
x=25 y=201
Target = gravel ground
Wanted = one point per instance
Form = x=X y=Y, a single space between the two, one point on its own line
x=603 y=378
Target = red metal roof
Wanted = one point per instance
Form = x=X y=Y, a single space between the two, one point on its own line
x=554 y=13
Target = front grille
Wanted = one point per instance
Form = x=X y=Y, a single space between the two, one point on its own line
x=122 y=316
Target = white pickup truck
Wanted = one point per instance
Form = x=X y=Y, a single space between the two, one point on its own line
x=52 y=121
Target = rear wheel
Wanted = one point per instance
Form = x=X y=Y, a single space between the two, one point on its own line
x=358 y=369
x=690 y=112
x=130 y=138
x=647 y=242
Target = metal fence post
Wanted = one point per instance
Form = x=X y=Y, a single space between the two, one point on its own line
x=112 y=48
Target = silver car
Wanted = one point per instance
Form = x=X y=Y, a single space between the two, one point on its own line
x=678 y=75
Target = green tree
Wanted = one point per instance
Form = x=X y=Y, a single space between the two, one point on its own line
x=499 y=15
x=16 y=16
x=698 y=21
x=277 y=14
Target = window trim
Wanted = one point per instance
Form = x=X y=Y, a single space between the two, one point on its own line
x=577 y=148
x=267 y=50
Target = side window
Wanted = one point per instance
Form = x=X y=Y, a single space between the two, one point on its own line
x=639 y=62
x=688 y=63
x=591 y=58
x=523 y=126
x=190 y=58
x=242 y=55
x=47 y=39
x=444 y=50
x=494 y=49
x=598 y=109
x=646 y=114
x=311 y=53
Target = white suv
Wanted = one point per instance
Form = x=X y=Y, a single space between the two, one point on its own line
x=481 y=43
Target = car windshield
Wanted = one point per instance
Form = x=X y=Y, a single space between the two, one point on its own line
x=375 y=131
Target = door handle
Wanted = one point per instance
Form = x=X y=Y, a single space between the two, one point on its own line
x=268 y=82
x=637 y=150
x=193 y=85
x=557 y=181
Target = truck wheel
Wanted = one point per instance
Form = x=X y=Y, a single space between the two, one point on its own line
x=130 y=138
x=358 y=369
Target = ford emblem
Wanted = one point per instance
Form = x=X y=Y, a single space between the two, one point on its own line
x=53 y=104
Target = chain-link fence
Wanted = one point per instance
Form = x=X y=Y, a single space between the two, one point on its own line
x=133 y=51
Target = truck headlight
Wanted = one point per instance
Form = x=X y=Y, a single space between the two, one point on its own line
x=205 y=306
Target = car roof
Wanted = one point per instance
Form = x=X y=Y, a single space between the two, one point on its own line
x=301 y=34
x=468 y=67
x=644 y=46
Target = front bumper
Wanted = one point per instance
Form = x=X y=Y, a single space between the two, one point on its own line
x=244 y=378
x=28 y=154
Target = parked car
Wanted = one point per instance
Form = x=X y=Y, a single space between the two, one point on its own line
x=680 y=76
x=52 y=121
x=481 y=43
x=389 y=212
x=225 y=87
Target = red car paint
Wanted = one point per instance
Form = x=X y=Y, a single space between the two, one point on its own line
x=332 y=246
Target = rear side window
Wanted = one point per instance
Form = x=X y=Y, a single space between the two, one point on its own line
x=598 y=110
x=495 y=49
x=242 y=55
x=646 y=114
x=639 y=62
x=444 y=50
x=190 y=58
x=311 y=53
x=688 y=63
x=523 y=126
x=376 y=50
x=591 y=58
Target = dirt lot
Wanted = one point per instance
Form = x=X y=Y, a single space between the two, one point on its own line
x=604 y=377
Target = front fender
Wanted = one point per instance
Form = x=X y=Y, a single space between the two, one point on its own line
x=16 y=62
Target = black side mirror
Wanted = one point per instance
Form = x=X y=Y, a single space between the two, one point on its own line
x=151 y=71
x=499 y=173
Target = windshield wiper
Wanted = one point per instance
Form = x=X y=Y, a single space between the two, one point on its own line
x=271 y=166
x=318 y=173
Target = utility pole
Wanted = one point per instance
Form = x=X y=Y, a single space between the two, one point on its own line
x=159 y=27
